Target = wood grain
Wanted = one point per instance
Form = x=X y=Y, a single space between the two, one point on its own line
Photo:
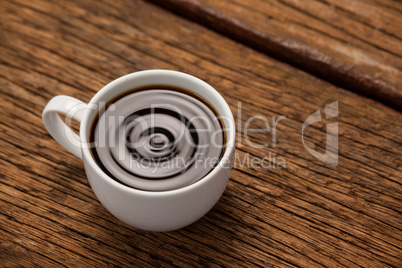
x=308 y=214
x=352 y=45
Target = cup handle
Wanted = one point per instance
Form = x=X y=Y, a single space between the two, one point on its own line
x=58 y=129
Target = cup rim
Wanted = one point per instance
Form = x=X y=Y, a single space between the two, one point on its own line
x=84 y=135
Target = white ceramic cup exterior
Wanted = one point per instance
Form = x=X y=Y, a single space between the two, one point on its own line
x=147 y=210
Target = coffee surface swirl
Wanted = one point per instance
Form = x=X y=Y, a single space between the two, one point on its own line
x=158 y=139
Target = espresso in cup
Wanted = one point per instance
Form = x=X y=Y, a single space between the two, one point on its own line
x=157 y=138
x=158 y=153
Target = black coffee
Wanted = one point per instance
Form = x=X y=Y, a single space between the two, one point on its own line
x=157 y=138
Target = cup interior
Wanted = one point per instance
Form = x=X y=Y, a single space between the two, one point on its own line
x=157 y=77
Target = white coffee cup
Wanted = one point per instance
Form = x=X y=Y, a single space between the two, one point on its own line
x=147 y=210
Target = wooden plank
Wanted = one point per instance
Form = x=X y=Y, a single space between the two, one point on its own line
x=308 y=214
x=352 y=45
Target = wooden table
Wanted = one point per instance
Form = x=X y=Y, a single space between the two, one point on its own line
x=268 y=59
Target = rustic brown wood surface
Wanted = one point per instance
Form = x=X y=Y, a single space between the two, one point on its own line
x=308 y=214
x=353 y=44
